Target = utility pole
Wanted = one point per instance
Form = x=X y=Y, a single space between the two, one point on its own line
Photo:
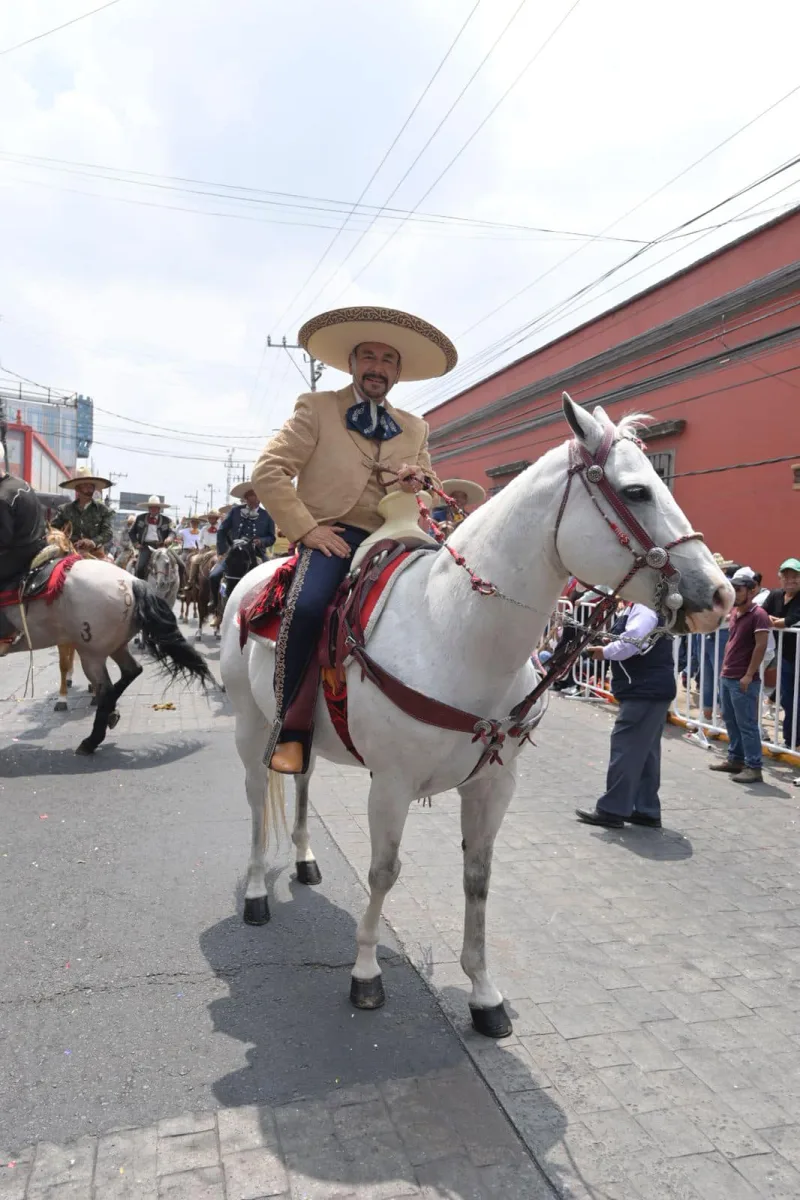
x=210 y=487
x=229 y=478
x=315 y=367
x=195 y=499
x=114 y=476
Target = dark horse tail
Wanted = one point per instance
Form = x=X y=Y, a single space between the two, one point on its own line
x=156 y=622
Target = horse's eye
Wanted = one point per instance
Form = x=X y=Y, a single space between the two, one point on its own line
x=637 y=493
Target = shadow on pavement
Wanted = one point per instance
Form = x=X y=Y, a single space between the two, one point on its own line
x=22 y=760
x=659 y=845
x=343 y=1082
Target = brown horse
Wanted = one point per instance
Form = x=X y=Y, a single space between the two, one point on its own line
x=204 y=564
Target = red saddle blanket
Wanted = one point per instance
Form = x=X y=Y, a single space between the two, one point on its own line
x=49 y=590
x=262 y=614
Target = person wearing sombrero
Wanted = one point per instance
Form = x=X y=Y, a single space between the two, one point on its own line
x=249 y=520
x=150 y=530
x=90 y=520
x=465 y=494
x=346 y=449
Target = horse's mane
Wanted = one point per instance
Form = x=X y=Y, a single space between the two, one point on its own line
x=632 y=426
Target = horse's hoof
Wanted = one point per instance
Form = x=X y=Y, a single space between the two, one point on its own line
x=90 y=688
x=85 y=749
x=308 y=872
x=60 y=706
x=367 y=993
x=93 y=701
x=113 y=720
x=198 y=637
x=256 y=910
x=491 y=1022
x=69 y=683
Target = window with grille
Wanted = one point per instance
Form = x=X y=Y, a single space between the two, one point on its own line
x=664 y=465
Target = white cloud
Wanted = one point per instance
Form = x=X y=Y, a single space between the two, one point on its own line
x=156 y=312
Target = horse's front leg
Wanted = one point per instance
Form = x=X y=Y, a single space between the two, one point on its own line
x=483 y=806
x=66 y=658
x=389 y=802
x=305 y=863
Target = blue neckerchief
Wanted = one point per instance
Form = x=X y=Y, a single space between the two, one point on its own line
x=381 y=427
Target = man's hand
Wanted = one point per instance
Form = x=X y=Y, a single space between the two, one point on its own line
x=326 y=538
x=85 y=544
x=411 y=479
x=745 y=681
x=778 y=622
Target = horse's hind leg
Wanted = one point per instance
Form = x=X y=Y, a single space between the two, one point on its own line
x=483 y=806
x=66 y=659
x=389 y=802
x=251 y=738
x=305 y=862
x=107 y=694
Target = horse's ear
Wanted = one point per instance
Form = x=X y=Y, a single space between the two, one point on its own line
x=584 y=425
x=602 y=416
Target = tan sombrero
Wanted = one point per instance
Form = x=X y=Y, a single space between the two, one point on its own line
x=211 y=517
x=240 y=489
x=424 y=350
x=225 y=509
x=84 y=475
x=153 y=502
x=473 y=491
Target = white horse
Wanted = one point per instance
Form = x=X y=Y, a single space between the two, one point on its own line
x=98 y=611
x=445 y=639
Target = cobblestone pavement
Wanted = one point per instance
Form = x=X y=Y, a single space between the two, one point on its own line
x=653 y=977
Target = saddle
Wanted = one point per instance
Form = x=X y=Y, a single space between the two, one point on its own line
x=352 y=607
x=44 y=579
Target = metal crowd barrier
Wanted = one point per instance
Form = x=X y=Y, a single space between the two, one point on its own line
x=698 y=667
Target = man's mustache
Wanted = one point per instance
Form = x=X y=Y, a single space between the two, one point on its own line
x=380 y=378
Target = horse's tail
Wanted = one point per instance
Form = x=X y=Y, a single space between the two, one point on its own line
x=274 y=807
x=156 y=622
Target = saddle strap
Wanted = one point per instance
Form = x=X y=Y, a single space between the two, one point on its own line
x=408 y=700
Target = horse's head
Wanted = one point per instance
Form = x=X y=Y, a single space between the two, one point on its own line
x=61 y=539
x=622 y=528
x=161 y=571
x=240 y=559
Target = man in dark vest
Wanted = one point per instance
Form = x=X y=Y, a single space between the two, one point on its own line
x=149 y=531
x=643 y=683
x=249 y=520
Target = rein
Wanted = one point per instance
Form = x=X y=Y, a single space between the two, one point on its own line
x=590 y=469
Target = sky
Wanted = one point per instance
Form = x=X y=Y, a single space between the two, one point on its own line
x=179 y=180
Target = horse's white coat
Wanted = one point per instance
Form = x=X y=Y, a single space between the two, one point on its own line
x=442 y=638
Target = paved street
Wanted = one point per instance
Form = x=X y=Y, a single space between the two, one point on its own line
x=154 y=1046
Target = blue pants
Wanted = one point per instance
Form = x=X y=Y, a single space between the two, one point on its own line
x=740 y=714
x=634 y=768
x=316 y=581
x=788 y=698
x=709 y=674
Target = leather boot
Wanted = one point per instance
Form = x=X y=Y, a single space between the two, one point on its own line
x=728 y=766
x=287 y=758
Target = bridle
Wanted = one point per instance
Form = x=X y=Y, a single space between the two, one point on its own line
x=591 y=470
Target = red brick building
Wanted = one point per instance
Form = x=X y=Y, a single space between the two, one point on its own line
x=712 y=353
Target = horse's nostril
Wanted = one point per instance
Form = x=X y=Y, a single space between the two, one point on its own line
x=720 y=599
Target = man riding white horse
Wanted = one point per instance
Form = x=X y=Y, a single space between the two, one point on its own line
x=149 y=531
x=346 y=449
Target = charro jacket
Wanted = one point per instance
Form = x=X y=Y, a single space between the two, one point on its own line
x=95 y=521
x=331 y=463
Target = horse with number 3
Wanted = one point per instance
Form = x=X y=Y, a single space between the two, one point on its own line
x=594 y=508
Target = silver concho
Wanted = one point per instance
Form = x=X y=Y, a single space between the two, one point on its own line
x=656 y=557
x=674 y=601
x=595 y=473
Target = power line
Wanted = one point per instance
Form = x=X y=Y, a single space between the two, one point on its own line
x=468 y=142
x=479 y=363
x=322 y=204
x=419 y=155
x=719 y=145
x=57 y=28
